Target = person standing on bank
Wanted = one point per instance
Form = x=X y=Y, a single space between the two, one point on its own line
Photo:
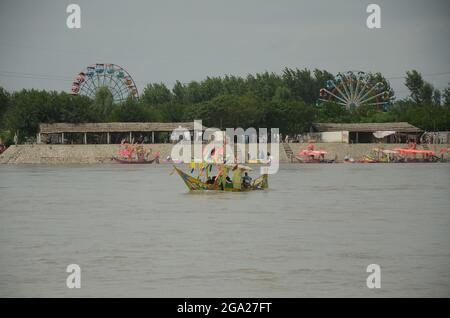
x=16 y=139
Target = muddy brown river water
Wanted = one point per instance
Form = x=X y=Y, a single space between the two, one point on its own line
x=136 y=231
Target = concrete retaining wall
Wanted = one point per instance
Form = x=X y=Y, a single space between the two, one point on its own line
x=340 y=150
x=92 y=154
x=67 y=154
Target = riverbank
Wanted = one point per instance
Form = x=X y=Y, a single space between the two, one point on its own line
x=101 y=154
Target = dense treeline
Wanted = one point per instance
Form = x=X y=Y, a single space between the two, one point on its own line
x=286 y=101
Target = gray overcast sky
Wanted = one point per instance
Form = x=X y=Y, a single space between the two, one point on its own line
x=169 y=40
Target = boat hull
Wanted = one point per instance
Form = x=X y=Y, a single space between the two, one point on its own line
x=300 y=160
x=126 y=161
x=195 y=184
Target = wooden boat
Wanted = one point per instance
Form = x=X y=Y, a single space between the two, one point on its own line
x=221 y=182
x=313 y=160
x=130 y=153
x=364 y=159
x=379 y=155
x=135 y=161
x=135 y=154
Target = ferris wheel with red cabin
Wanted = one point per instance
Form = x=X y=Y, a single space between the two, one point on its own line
x=115 y=78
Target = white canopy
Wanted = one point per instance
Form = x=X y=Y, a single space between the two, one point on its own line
x=383 y=133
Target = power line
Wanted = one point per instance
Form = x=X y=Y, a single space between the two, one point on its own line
x=52 y=77
x=423 y=75
x=34 y=76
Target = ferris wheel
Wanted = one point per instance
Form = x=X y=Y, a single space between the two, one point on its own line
x=353 y=89
x=116 y=79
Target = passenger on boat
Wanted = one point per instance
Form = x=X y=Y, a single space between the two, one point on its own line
x=210 y=181
x=246 y=180
x=348 y=158
x=157 y=156
x=412 y=144
x=269 y=158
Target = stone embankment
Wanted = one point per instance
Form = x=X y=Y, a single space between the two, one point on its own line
x=95 y=154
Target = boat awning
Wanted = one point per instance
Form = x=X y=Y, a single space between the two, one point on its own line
x=407 y=151
x=383 y=133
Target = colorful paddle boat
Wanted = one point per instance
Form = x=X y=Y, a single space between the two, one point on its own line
x=310 y=155
x=412 y=154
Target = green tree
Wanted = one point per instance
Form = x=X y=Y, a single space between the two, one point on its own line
x=76 y=109
x=103 y=103
x=446 y=96
x=133 y=111
x=264 y=99
x=303 y=85
x=211 y=87
x=421 y=91
x=172 y=112
x=282 y=94
x=427 y=93
x=334 y=113
x=155 y=94
x=28 y=109
x=437 y=97
x=194 y=92
x=234 y=85
x=291 y=117
x=4 y=104
x=179 y=92
x=227 y=111
x=414 y=82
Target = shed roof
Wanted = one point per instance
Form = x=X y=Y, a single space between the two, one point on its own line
x=113 y=127
x=402 y=127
